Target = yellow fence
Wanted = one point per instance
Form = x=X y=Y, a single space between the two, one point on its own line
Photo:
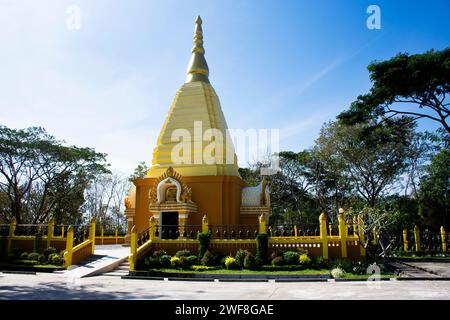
x=115 y=239
x=325 y=245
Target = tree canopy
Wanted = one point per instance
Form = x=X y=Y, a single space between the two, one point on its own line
x=416 y=86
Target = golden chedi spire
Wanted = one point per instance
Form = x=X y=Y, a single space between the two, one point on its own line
x=198 y=68
x=195 y=110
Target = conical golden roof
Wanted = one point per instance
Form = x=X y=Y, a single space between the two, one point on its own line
x=195 y=110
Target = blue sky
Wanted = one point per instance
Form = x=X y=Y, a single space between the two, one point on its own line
x=288 y=65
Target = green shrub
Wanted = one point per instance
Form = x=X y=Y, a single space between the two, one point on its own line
x=159 y=253
x=33 y=256
x=38 y=242
x=359 y=267
x=230 y=263
x=250 y=261
x=208 y=259
x=343 y=264
x=304 y=260
x=337 y=273
x=50 y=250
x=56 y=260
x=262 y=248
x=191 y=260
x=291 y=257
x=183 y=253
x=164 y=260
x=152 y=262
x=175 y=262
x=42 y=259
x=24 y=256
x=277 y=261
x=50 y=257
x=320 y=263
x=204 y=239
x=240 y=257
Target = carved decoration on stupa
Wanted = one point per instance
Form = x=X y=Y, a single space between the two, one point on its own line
x=168 y=176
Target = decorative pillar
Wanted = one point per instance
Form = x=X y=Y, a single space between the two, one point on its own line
x=12 y=229
x=133 y=248
x=443 y=239
x=116 y=233
x=362 y=236
x=342 y=233
x=323 y=235
x=50 y=232
x=69 y=246
x=182 y=219
x=262 y=224
x=152 y=225
x=92 y=235
x=295 y=232
x=405 y=240
x=205 y=224
x=417 y=238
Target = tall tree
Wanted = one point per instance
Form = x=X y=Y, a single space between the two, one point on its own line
x=37 y=172
x=416 y=86
x=372 y=157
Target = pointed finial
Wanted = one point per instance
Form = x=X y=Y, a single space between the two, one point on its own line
x=198 y=68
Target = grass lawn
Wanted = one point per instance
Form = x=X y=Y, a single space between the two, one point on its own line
x=243 y=271
x=365 y=276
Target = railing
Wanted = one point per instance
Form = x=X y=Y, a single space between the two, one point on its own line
x=233 y=232
x=301 y=230
x=29 y=229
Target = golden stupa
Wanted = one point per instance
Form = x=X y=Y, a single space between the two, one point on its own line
x=182 y=193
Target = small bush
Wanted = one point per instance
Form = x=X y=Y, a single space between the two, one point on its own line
x=208 y=259
x=191 y=260
x=175 y=262
x=304 y=260
x=38 y=241
x=240 y=256
x=320 y=263
x=42 y=259
x=152 y=262
x=291 y=257
x=343 y=264
x=359 y=267
x=50 y=257
x=33 y=256
x=165 y=261
x=204 y=239
x=250 y=261
x=277 y=261
x=50 y=250
x=24 y=256
x=159 y=253
x=56 y=260
x=230 y=263
x=182 y=253
x=337 y=273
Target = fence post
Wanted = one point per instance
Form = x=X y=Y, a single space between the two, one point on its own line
x=133 y=248
x=342 y=233
x=362 y=236
x=62 y=231
x=50 y=232
x=116 y=233
x=102 y=233
x=262 y=224
x=417 y=238
x=152 y=228
x=323 y=235
x=443 y=239
x=12 y=229
x=69 y=246
x=92 y=234
x=405 y=240
x=205 y=227
x=295 y=232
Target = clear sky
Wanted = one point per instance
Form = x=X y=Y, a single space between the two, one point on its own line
x=290 y=65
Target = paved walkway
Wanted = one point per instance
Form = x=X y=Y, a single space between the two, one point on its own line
x=51 y=286
x=106 y=258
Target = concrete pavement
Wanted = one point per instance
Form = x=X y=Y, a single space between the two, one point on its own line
x=51 y=286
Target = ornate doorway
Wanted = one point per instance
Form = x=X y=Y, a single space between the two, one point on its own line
x=169 y=225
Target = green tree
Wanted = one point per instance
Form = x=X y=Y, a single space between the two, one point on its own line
x=416 y=86
x=140 y=171
x=38 y=173
x=435 y=190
